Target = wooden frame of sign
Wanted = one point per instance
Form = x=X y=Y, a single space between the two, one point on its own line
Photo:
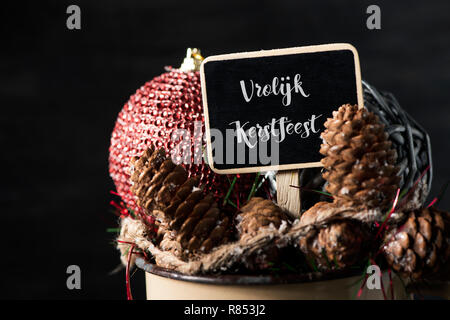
x=297 y=81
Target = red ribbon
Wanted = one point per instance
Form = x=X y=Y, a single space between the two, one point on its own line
x=127 y=275
x=120 y=208
x=390 y=213
x=382 y=286
x=127 y=272
x=360 y=291
x=391 y=284
x=432 y=202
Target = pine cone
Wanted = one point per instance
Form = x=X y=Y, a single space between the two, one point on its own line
x=190 y=218
x=200 y=224
x=255 y=215
x=259 y=213
x=156 y=179
x=337 y=244
x=359 y=159
x=420 y=247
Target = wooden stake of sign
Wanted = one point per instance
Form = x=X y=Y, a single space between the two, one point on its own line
x=289 y=197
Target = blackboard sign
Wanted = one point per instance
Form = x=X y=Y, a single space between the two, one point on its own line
x=265 y=110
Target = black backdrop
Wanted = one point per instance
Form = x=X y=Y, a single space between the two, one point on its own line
x=61 y=91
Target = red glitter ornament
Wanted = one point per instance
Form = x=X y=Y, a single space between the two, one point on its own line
x=168 y=102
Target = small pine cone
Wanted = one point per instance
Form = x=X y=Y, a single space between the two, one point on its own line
x=421 y=246
x=255 y=216
x=155 y=179
x=359 y=160
x=336 y=245
x=191 y=219
x=259 y=213
x=199 y=223
x=263 y=259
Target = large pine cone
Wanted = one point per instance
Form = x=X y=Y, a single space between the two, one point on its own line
x=359 y=160
x=335 y=245
x=188 y=216
x=421 y=246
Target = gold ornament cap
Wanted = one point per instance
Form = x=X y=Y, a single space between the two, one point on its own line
x=192 y=61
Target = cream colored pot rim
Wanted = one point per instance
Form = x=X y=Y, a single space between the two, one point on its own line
x=246 y=279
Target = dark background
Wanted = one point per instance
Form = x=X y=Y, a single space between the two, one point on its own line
x=61 y=91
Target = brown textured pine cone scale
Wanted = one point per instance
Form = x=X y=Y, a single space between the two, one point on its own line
x=259 y=213
x=336 y=244
x=420 y=246
x=164 y=189
x=359 y=159
x=255 y=216
x=155 y=179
